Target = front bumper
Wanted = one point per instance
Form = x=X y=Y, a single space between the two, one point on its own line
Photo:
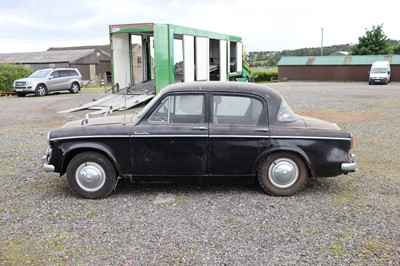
x=45 y=161
x=350 y=167
x=47 y=167
x=24 y=89
x=378 y=80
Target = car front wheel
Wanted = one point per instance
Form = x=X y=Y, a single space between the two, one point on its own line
x=282 y=174
x=91 y=175
x=41 y=90
x=74 y=88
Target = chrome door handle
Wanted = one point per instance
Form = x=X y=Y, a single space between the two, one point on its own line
x=199 y=128
x=261 y=129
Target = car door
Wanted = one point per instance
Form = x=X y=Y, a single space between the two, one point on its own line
x=172 y=140
x=53 y=84
x=64 y=80
x=238 y=133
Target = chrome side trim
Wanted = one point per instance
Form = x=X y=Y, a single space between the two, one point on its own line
x=203 y=136
x=308 y=137
x=169 y=136
x=92 y=137
x=240 y=136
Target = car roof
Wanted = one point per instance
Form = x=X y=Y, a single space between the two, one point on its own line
x=58 y=68
x=223 y=86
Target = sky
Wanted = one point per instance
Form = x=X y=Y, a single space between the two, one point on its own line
x=264 y=25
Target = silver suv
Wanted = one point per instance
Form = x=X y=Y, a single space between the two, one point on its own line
x=48 y=80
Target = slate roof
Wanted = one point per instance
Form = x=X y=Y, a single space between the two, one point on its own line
x=105 y=47
x=69 y=56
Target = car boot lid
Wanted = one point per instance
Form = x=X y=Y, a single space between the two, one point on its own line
x=314 y=123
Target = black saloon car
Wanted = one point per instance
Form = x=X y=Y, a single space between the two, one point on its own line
x=201 y=129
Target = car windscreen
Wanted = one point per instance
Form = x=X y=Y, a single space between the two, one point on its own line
x=40 y=73
x=379 y=70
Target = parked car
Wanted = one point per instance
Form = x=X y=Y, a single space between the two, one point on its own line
x=201 y=129
x=48 y=80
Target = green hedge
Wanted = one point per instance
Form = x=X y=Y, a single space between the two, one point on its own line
x=9 y=73
x=264 y=75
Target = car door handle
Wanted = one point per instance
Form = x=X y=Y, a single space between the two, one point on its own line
x=261 y=130
x=199 y=128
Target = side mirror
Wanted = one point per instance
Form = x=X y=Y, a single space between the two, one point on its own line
x=51 y=77
x=389 y=72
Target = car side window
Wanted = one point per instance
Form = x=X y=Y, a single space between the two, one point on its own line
x=176 y=109
x=236 y=110
x=64 y=73
x=55 y=74
x=72 y=73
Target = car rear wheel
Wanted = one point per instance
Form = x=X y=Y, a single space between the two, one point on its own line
x=91 y=175
x=41 y=90
x=74 y=88
x=282 y=174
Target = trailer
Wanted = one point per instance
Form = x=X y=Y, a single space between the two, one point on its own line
x=171 y=53
x=146 y=57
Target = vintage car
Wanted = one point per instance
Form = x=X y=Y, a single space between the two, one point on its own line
x=202 y=130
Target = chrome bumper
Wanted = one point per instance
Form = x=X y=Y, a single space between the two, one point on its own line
x=350 y=167
x=47 y=167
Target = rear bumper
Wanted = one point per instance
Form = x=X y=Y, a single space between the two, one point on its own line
x=350 y=167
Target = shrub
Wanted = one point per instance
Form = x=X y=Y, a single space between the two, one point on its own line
x=9 y=73
x=264 y=75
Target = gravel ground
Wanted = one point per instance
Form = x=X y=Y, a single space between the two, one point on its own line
x=345 y=220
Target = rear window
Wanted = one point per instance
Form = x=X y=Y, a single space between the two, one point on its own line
x=68 y=73
x=285 y=113
x=73 y=73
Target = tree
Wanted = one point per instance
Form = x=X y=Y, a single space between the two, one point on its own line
x=374 y=42
x=396 y=49
x=9 y=73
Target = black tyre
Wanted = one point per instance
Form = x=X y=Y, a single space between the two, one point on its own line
x=41 y=90
x=74 y=88
x=91 y=175
x=282 y=174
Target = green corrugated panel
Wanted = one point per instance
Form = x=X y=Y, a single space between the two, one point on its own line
x=293 y=61
x=396 y=59
x=329 y=60
x=366 y=59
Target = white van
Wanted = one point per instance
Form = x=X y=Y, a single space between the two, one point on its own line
x=379 y=73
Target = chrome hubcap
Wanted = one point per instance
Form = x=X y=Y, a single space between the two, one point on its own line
x=41 y=90
x=283 y=173
x=90 y=176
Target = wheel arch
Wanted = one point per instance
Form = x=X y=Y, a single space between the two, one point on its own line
x=77 y=83
x=295 y=150
x=40 y=83
x=73 y=150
